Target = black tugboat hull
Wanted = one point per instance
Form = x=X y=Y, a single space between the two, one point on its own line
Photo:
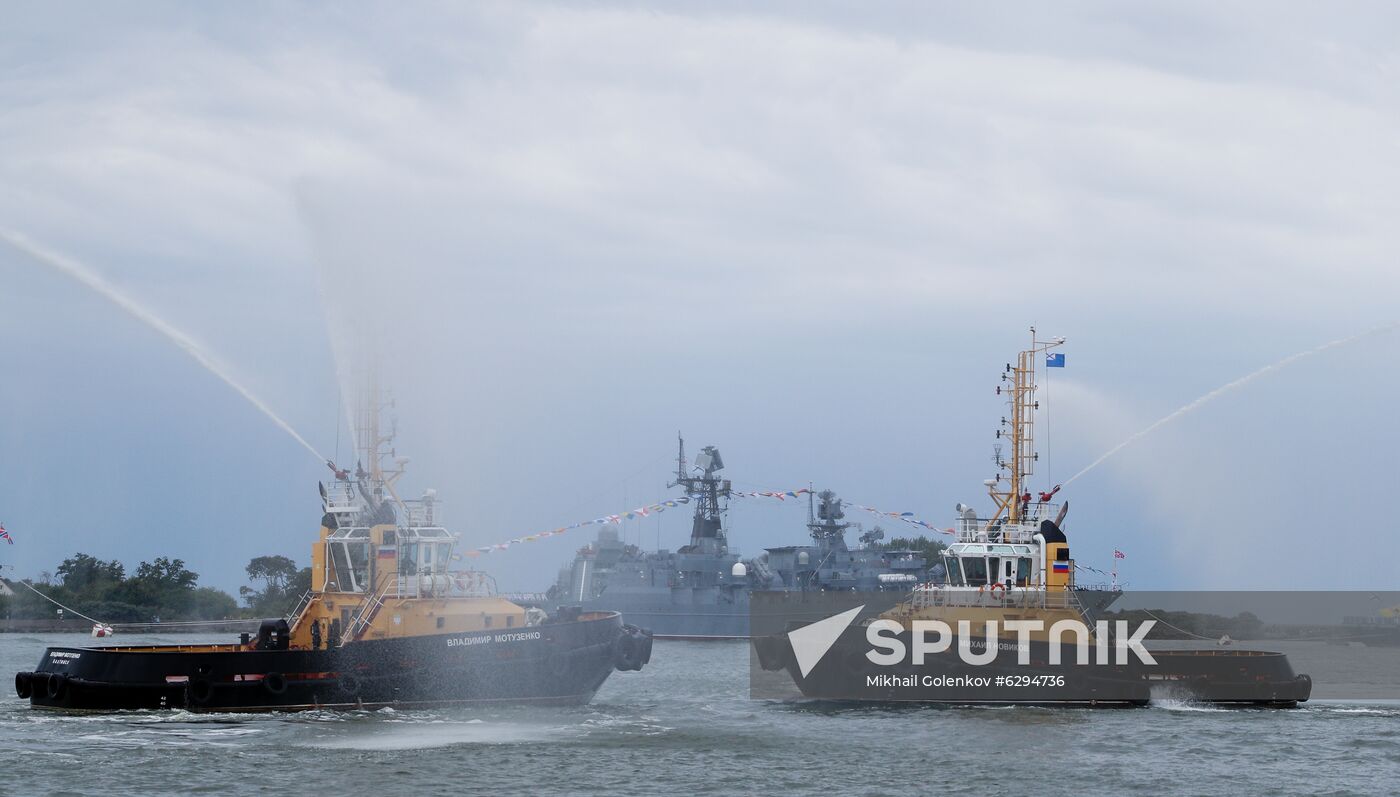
x=1216 y=676
x=553 y=663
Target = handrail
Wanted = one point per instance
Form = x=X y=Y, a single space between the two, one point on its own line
x=302 y=605
x=923 y=596
x=365 y=613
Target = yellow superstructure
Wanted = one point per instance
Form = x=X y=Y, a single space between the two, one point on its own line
x=387 y=581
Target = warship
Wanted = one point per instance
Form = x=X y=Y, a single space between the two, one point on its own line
x=1012 y=569
x=703 y=589
x=388 y=621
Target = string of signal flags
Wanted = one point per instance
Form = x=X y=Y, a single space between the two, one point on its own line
x=662 y=506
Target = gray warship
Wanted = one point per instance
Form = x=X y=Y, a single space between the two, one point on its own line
x=702 y=590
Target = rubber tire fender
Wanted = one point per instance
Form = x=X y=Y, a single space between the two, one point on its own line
x=625 y=656
x=24 y=685
x=57 y=684
x=199 y=691
x=275 y=683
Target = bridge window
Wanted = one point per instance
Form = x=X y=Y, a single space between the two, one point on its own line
x=1023 y=571
x=408 y=559
x=954 y=570
x=975 y=569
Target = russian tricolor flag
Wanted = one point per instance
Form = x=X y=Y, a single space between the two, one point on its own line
x=1061 y=567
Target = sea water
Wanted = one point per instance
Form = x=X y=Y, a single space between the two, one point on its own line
x=685 y=725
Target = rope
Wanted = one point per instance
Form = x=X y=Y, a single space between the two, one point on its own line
x=70 y=610
x=187 y=622
x=59 y=605
x=1182 y=630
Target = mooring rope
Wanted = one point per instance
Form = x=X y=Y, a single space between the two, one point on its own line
x=59 y=605
x=169 y=623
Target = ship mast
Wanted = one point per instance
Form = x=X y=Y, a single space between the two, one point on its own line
x=373 y=443
x=1018 y=428
x=710 y=495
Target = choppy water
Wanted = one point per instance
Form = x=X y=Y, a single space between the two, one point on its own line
x=685 y=725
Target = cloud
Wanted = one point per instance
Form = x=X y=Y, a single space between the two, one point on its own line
x=803 y=232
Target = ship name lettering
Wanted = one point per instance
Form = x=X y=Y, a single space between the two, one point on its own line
x=468 y=640
x=518 y=636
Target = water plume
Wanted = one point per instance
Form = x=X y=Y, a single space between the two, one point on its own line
x=1223 y=389
x=81 y=274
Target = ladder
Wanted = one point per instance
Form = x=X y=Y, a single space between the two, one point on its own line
x=364 y=615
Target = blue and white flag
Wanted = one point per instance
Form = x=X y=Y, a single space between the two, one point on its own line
x=1054 y=361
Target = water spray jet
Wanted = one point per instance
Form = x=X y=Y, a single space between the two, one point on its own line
x=81 y=274
x=1226 y=388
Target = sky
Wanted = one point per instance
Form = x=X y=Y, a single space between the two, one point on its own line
x=810 y=234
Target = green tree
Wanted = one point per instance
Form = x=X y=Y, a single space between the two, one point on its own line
x=165 y=586
x=273 y=571
x=83 y=573
x=282 y=583
x=209 y=603
x=930 y=550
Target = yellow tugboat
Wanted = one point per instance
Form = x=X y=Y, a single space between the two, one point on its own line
x=1007 y=622
x=388 y=621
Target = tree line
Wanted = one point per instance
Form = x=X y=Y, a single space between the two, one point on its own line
x=163 y=590
x=930 y=550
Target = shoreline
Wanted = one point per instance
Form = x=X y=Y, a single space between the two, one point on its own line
x=231 y=627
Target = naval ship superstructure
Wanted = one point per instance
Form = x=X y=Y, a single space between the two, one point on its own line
x=702 y=589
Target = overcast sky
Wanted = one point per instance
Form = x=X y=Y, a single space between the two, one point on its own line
x=810 y=234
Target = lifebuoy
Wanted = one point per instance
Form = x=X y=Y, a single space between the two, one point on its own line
x=275 y=683
x=998 y=586
x=24 y=685
x=57 y=683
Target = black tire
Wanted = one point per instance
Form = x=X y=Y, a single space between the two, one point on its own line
x=275 y=683
x=350 y=685
x=24 y=685
x=200 y=691
x=56 y=686
x=626 y=655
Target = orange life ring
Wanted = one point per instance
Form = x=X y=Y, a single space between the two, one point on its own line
x=998 y=586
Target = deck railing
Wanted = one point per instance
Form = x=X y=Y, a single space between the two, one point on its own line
x=977 y=529
x=924 y=596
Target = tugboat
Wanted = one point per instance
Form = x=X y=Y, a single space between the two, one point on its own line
x=1011 y=568
x=703 y=589
x=387 y=622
